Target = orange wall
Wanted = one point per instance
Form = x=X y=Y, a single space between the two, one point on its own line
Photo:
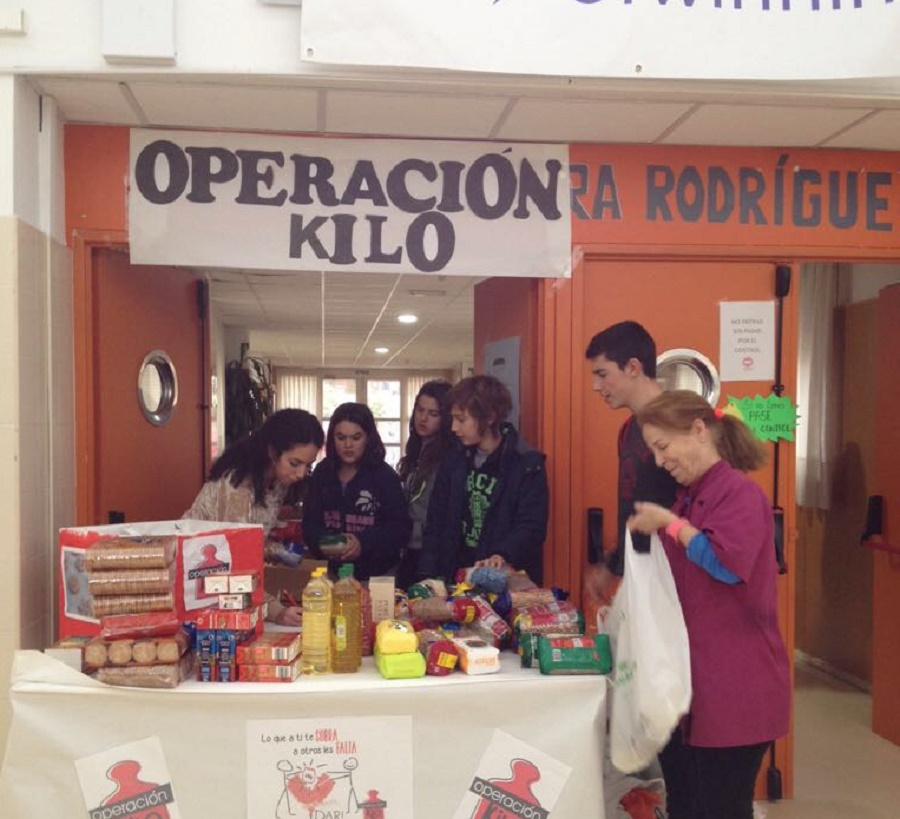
x=806 y=203
x=96 y=169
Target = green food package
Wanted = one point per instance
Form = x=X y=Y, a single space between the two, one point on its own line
x=574 y=655
x=407 y=666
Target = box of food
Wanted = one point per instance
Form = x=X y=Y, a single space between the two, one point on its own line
x=284 y=581
x=270 y=647
x=192 y=550
x=269 y=672
x=381 y=592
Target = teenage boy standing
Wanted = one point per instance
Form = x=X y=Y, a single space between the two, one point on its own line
x=623 y=365
x=490 y=499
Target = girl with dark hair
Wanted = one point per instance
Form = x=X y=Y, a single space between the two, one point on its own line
x=249 y=481
x=719 y=539
x=354 y=493
x=430 y=439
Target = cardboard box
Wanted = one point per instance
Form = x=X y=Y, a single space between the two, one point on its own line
x=293 y=581
x=381 y=591
x=202 y=548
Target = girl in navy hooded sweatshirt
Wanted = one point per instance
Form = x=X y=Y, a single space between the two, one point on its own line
x=353 y=492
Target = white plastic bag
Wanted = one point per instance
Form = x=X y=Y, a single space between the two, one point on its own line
x=651 y=677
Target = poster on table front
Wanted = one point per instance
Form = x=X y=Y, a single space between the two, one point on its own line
x=130 y=781
x=513 y=779
x=330 y=768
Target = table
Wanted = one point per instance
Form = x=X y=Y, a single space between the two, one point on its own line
x=60 y=715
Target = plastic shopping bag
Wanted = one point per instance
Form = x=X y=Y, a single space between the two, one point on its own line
x=651 y=678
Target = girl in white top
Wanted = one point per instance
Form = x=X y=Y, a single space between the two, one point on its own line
x=249 y=481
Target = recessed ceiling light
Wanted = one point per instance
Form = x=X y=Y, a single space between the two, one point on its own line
x=407 y=318
x=381 y=350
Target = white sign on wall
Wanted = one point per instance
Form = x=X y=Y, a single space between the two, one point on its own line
x=747 y=340
x=688 y=39
x=374 y=206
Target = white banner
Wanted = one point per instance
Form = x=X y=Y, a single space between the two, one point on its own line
x=685 y=39
x=379 y=206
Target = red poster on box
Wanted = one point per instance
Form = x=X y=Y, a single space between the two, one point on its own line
x=201 y=548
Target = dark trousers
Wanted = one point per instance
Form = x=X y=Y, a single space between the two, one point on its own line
x=710 y=783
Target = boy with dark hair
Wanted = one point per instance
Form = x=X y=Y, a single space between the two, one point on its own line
x=489 y=505
x=623 y=365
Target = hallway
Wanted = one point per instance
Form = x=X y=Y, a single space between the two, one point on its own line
x=843 y=770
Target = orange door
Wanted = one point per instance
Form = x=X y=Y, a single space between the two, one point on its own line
x=145 y=471
x=678 y=303
x=886 y=588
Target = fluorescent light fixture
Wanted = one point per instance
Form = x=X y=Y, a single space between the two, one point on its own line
x=381 y=350
x=407 y=318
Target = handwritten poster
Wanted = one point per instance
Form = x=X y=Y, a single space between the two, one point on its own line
x=513 y=779
x=747 y=340
x=129 y=781
x=330 y=768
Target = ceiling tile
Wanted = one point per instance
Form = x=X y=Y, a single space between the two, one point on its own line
x=90 y=100
x=198 y=105
x=761 y=125
x=880 y=132
x=589 y=121
x=412 y=115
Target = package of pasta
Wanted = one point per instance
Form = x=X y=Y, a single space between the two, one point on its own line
x=149 y=624
x=528 y=647
x=549 y=622
x=441 y=654
x=132 y=603
x=572 y=655
x=488 y=620
x=131 y=581
x=149 y=676
x=526 y=598
x=440 y=610
x=519 y=581
x=130 y=553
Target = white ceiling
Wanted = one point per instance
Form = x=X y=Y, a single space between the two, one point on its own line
x=291 y=316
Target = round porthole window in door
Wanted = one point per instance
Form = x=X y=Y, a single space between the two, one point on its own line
x=157 y=388
x=682 y=369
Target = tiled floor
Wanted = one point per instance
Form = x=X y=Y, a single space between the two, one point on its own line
x=842 y=769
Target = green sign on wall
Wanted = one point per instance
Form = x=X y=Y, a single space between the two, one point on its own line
x=771 y=417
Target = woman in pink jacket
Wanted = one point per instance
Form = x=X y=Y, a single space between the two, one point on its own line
x=719 y=538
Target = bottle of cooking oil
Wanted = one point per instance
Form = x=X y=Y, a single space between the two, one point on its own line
x=317 y=598
x=346 y=646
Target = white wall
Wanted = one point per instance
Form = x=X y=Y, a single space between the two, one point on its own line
x=7 y=142
x=218 y=36
x=37 y=482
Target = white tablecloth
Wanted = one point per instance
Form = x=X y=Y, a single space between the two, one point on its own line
x=60 y=715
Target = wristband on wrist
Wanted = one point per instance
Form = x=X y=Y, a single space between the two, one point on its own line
x=675 y=527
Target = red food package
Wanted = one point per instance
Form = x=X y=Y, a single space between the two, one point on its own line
x=149 y=624
x=441 y=655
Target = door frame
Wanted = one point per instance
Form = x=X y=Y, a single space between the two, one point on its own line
x=84 y=243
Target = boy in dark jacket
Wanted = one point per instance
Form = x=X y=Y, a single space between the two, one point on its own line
x=489 y=505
